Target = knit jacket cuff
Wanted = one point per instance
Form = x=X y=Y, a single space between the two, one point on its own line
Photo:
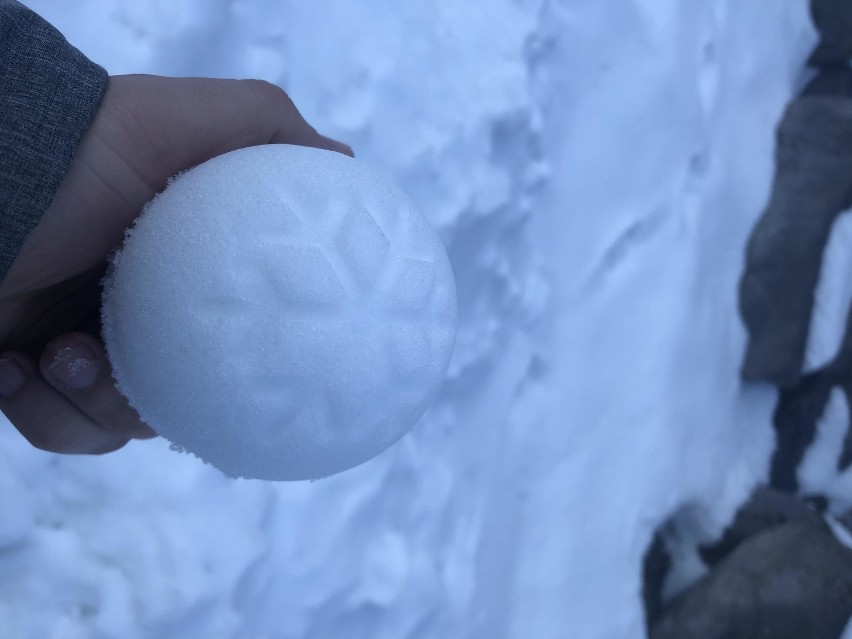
x=49 y=94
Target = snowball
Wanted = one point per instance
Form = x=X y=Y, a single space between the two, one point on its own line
x=282 y=312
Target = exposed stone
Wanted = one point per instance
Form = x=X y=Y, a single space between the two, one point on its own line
x=655 y=567
x=766 y=509
x=833 y=81
x=793 y=581
x=833 y=19
x=796 y=418
x=813 y=184
x=845 y=459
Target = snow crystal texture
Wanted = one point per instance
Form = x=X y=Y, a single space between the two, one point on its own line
x=282 y=312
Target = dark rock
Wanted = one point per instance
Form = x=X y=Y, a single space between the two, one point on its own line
x=655 y=567
x=833 y=19
x=833 y=81
x=845 y=520
x=795 y=421
x=793 y=581
x=844 y=372
x=829 y=52
x=766 y=509
x=813 y=184
x=819 y=503
x=845 y=459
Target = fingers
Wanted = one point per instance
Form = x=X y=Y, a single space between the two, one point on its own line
x=68 y=403
x=43 y=416
x=76 y=365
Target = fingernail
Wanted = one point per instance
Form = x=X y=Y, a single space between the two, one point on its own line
x=77 y=367
x=11 y=378
x=340 y=147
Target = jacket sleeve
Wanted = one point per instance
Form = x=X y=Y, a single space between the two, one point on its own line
x=49 y=93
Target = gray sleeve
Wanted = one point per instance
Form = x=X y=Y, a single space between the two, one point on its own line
x=49 y=93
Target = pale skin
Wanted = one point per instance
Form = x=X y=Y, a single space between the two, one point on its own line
x=56 y=385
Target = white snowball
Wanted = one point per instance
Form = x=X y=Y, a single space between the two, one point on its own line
x=281 y=312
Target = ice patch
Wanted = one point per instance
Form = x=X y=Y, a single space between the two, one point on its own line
x=819 y=467
x=832 y=298
x=273 y=350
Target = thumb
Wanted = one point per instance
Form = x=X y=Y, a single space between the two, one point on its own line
x=148 y=129
x=178 y=123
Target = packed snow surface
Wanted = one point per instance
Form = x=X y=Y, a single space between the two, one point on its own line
x=283 y=312
x=594 y=168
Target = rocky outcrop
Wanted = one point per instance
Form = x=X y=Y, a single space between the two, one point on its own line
x=812 y=186
x=792 y=581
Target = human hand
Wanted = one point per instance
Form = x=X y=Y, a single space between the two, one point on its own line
x=56 y=385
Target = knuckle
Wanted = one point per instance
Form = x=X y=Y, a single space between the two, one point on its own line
x=277 y=101
x=270 y=91
x=277 y=110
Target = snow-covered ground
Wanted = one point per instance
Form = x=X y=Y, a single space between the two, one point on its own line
x=594 y=168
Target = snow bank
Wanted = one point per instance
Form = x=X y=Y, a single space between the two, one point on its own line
x=661 y=147
x=594 y=168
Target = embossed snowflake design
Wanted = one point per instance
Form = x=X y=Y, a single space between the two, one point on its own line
x=368 y=317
